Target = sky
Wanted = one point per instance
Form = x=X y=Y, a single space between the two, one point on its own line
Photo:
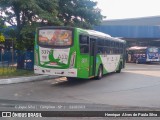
x=121 y=9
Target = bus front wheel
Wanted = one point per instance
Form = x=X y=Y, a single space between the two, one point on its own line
x=100 y=72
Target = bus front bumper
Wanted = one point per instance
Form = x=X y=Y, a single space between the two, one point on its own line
x=58 y=72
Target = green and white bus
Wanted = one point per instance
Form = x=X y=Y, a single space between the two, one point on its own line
x=77 y=53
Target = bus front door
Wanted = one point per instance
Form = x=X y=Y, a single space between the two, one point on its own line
x=92 y=67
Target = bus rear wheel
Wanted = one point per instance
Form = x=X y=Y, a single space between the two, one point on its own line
x=100 y=72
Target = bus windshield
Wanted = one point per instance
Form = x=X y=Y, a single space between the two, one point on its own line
x=153 y=50
x=143 y=51
x=55 y=37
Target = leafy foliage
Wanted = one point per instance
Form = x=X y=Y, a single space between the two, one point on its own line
x=2 y=38
x=28 y=11
x=79 y=13
x=29 y=14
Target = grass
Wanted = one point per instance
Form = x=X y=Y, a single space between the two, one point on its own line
x=9 y=72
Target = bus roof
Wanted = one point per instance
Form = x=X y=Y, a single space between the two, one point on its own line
x=98 y=33
x=101 y=34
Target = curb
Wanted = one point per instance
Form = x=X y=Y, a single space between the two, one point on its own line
x=26 y=79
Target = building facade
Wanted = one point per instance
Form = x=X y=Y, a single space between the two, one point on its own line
x=137 y=31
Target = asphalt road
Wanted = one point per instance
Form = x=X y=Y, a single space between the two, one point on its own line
x=135 y=88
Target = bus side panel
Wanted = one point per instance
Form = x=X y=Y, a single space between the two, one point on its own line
x=110 y=63
x=82 y=60
x=83 y=66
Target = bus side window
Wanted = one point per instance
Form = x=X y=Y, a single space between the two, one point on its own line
x=105 y=50
x=84 y=48
x=100 y=50
x=106 y=43
x=117 y=45
x=100 y=46
x=108 y=50
x=84 y=44
x=111 y=44
x=111 y=51
x=114 y=51
x=100 y=42
x=84 y=39
x=121 y=45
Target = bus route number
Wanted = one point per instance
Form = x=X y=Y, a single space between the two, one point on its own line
x=45 y=52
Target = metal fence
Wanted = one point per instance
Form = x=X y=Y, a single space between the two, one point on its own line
x=17 y=59
x=25 y=60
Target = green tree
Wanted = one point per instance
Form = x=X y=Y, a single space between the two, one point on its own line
x=2 y=26
x=27 y=15
x=79 y=13
x=2 y=38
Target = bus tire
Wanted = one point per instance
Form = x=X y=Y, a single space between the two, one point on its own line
x=119 y=68
x=100 y=72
